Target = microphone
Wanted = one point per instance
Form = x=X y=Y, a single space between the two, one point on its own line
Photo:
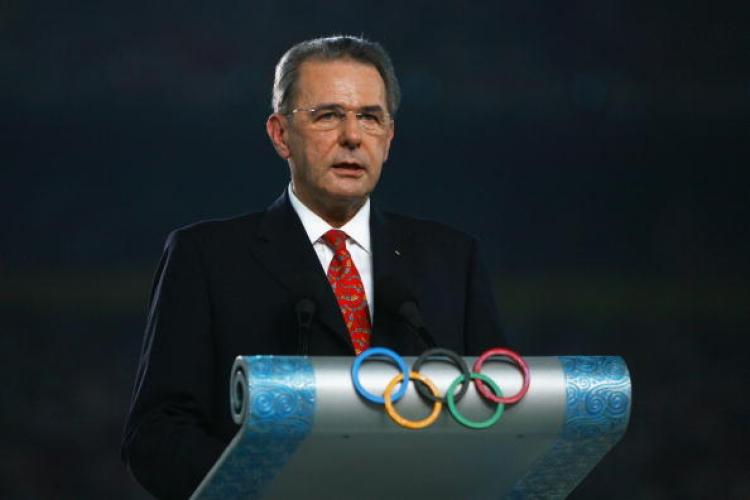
x=304 y=310
x=305 y=307
x=398 y=299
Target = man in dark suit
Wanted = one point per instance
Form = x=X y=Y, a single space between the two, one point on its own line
x=320 y=272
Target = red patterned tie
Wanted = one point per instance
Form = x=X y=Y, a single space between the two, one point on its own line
x=349 y=290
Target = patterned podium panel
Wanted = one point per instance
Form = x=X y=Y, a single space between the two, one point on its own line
x=304 y=432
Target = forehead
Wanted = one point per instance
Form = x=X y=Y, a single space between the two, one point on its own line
x=343 y=81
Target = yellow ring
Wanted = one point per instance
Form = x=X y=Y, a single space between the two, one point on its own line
x=411 y=424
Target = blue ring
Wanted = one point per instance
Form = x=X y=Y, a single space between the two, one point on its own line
x=384 y=351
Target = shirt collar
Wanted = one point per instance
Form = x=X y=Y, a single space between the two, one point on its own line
x=357 y=229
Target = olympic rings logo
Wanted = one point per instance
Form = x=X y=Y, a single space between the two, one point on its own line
x=429 y=391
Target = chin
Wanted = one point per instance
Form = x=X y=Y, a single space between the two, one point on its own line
x=349 y=192
x=348 y=196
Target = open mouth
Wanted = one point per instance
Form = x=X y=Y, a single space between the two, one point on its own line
x=348 y=167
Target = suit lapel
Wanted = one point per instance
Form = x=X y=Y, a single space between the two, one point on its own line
x=390 y=253
x=283 y=247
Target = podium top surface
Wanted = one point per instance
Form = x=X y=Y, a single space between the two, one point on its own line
x=305 y=431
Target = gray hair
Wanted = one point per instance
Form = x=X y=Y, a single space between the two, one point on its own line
x=330 y=49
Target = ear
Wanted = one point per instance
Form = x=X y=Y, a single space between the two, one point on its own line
x=277 y=130
x=389 y=138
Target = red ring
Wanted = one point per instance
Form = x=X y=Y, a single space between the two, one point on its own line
x=500 y=351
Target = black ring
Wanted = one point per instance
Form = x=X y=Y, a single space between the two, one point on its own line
x=457 y=360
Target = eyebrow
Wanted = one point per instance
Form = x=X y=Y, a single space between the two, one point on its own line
x=371 y=109
x=363 y=109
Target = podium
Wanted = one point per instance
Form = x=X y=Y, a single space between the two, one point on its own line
x=304 y=432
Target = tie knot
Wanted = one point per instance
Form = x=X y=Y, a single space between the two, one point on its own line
x=336 y=239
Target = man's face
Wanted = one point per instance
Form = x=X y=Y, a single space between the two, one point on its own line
x=341 y=166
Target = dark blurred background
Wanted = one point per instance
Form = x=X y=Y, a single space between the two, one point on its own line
x=597 y=148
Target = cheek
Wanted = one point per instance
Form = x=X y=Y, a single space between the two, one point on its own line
x=317 y=152
x=380 y=150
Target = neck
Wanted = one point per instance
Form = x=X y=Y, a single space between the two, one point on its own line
x=335 y=214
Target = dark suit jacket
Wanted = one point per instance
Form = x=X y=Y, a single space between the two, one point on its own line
x=227 y=288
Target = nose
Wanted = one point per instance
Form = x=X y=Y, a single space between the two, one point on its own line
x=351 y=134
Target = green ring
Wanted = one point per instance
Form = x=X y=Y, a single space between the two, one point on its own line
x=465 y=421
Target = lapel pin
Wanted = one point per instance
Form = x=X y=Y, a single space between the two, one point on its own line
x=397 y=252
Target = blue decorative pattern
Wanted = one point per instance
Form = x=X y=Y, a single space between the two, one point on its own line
x=596 y=416
x=279 y=417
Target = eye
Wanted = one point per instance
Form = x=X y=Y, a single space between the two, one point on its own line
x=326 y=116
x=370 y=118
x=329 y=115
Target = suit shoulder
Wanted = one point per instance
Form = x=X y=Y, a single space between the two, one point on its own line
x=426 y=228
x=229 y=228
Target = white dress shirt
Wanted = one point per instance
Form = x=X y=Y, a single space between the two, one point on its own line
x=357 y=242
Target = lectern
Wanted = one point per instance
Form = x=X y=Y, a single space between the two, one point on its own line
x=304 y=432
